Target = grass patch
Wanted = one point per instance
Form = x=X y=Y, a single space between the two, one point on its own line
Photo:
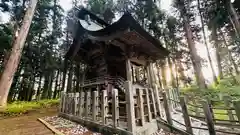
x=22 y=107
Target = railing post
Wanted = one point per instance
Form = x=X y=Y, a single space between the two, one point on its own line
x=166 y=108
x=227 y=103
x=209 y=118
x=176 y=98
x=94 y=105
x=81 y=104
x=196 y=108
x=168 y=96
x=148 y=106
x=62 y=104
x=115 y=108
x=104 y=106
x=157 y=97
x=185 y=115
x=72 y=103
x=210 y=107
x=66 y=103
x=141 y=106
x=88 y=102
x=236 y=105
x=69 y=103
x=76 y=99
x=154 y=103
x=131 y=124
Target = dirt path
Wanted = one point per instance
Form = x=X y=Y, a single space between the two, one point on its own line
x=27 y=124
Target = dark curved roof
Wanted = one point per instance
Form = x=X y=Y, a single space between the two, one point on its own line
x=126 y=24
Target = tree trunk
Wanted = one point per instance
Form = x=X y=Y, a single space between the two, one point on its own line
x=78 y=77
x=56 y=85
x=216 y=45
x=50 y=85
x=191 y=45
x=177 y=75
x=39 y=88
x=234 y=16
x=229 y=53
x=31 y=90
x=14 y=85
x=15 y=55
x=70 y=76
x=64 y=76
x=60 y=83
x=206 y=44
x=163 y=71
x=173 y=79
x=159 y=76
x=180 y=70
x=45 y=87
x=21 y=89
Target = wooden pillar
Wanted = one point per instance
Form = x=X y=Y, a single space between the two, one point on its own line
x=141 y=106
x=209 y=118
x=104 y=107
x=94 y=105
x=115 y=108
x=132 y=73
x=148 y=106
x=237 y=109
x=129 y=70
x=185 y=115
x=149 y=78
x=227 y=103
x=157 y=99
x=151 y=75
x=131 y=124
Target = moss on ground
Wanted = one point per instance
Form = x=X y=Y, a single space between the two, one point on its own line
x=22 y=107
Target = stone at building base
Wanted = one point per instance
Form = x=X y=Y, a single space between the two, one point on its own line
x=96 y=127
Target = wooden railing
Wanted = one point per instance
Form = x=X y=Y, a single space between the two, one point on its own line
x=203 y=112
x=118 y=115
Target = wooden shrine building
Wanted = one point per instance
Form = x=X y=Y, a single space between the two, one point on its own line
x=114 y=95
